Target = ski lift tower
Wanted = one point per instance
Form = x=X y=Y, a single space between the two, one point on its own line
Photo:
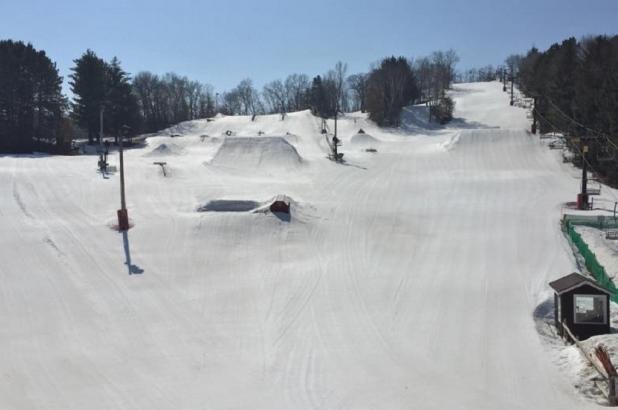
x=582 y=197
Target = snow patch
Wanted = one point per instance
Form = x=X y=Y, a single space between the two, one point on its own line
x=606 y=250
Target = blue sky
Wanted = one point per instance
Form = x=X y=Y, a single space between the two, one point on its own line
x=221 y=42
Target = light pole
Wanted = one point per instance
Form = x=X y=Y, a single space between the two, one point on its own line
x=123 y=215
x=101 y=127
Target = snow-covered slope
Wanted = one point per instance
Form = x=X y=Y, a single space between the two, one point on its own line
x=406 y=279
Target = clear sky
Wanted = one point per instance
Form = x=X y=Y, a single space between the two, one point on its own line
x=221 y=42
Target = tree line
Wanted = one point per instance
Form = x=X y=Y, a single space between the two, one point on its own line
x=576 y=86
x=32 y=107
x=34 y=115
x=390 y=84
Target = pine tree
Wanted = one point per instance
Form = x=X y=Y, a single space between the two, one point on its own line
x=31 y=102
x=89 y=85
x=121 y=108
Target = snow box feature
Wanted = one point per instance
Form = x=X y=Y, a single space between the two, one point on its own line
x=257 y=153
x=279 y=204
x=227 y=205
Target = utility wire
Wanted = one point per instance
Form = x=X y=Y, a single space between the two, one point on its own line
x=582 y=125
x=593 y=169
x=574 y=121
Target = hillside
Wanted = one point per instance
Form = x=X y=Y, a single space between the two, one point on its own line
x=405 y=278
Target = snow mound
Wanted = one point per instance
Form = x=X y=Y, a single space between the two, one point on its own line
x=257 y=153
x=364 y=139
x=165 y=149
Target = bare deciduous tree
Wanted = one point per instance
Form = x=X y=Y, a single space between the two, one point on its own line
x=276 y=97
x=358 y=85
x=297 y=86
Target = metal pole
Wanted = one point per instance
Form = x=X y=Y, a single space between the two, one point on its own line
x=512 y=81
x=101 y=127
x=534 y=116
x=504 y=79
x=123 y=205
x=216 y=103
x=335 y=122
x=123 y=216
x=584 y=170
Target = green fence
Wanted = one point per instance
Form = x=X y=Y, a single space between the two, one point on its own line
x=593 y=265
x=600 y=221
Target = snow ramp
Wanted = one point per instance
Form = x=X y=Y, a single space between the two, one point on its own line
x=265 y=153
x=364 y=140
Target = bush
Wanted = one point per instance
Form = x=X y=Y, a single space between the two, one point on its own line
x=443 y=110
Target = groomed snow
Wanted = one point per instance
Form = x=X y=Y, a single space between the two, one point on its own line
x=407 y=281
x=605 y=250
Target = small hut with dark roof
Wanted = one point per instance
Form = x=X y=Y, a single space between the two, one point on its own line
x=582 y=305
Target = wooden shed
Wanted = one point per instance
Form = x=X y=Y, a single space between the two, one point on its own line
x=582 y=305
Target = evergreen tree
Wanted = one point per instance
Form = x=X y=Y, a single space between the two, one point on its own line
x=89 y=86
x=31 y=103
x=576 y=85
x=121 y=108
x=319 y=99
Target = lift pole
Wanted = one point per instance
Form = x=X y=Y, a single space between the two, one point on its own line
x=533 y=130
x=504 y=79
x=335 y=122
x=101 y=126
x=123 y=215
x=582 y=197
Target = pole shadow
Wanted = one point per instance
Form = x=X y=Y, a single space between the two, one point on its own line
x=133 y=269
